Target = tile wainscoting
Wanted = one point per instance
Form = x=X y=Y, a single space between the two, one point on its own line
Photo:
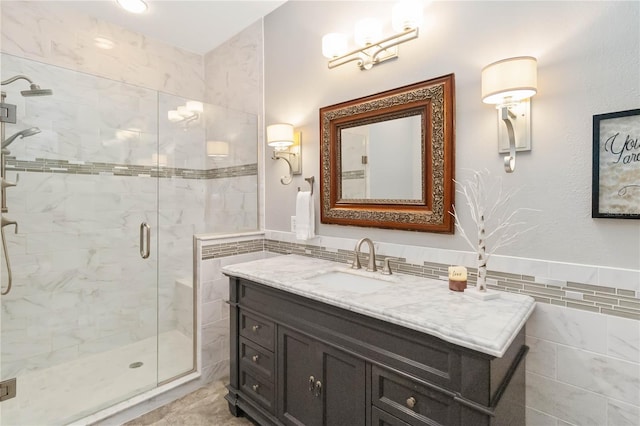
x=584 y=362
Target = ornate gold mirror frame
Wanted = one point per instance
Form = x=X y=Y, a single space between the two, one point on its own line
x=433 y=100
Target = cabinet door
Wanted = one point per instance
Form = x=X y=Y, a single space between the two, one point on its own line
x=298 y=403
x=343 y=387
x=318 y=384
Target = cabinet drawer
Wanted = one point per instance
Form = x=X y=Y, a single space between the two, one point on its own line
x=257 y=388
x=257 y=329
x=410 y=401
x=380 y=418
x=256 y=358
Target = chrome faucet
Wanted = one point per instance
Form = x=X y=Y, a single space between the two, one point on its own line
x=372 y=256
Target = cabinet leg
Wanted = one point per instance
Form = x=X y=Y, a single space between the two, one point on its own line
x=235 y=410
x=233 y=407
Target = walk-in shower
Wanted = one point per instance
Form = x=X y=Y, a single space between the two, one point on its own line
x=88 y=321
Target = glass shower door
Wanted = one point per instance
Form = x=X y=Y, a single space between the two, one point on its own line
x=79 y=326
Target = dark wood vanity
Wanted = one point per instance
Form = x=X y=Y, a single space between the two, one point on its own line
x=298 y=361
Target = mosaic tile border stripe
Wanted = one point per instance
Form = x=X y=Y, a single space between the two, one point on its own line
x=232 y=248
x=587 y=297
x=353 y=174
x=46 y=165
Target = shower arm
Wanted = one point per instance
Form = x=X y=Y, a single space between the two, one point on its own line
x=16 y=77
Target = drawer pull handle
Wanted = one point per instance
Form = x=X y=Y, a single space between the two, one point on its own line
x=255 y=387
x=318 y=388
x=255 y=358
x=255 y=328
x=312 y=380
x=411 y=402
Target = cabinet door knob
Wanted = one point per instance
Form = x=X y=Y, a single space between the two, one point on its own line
x=318 y=388
x=311 y=383
x=255 y=328
x=255 y=387
x=411 y=402
x=255 y=358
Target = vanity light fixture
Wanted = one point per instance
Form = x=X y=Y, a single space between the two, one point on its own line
x=133 y=6
x=406 y=19
x=217 y=149
x=286 y=146
x=509 y=84
x=186 y=113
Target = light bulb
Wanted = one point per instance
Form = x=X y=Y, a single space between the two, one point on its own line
x=367 y=32
x=334 y=45
x=406 y=15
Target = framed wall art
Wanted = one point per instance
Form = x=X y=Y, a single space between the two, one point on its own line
x=616 y=165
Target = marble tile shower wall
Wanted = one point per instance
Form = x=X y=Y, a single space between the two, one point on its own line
x=584 y=361
x=55 y=33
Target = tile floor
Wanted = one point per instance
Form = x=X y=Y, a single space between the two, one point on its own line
x=206 y=406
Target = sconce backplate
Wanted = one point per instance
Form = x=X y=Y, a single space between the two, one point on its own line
x=521 y=127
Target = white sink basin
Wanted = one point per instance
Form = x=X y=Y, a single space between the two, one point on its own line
x=353 y=283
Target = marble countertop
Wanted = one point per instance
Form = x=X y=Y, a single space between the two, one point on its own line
x=421 y=304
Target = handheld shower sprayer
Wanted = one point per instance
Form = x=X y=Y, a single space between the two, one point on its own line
x=22 y=134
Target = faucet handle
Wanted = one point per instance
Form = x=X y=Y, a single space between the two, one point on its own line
x=386 y=267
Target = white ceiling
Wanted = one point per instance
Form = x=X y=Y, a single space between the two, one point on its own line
x=196 y=26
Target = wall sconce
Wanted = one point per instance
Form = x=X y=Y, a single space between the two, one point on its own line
x=509 y=84
x=217 y=149
x=186 y=113
x=406 y=18
x=286 y=146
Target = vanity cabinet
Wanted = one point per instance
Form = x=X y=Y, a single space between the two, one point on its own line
x=318 y=384
x=298 y=361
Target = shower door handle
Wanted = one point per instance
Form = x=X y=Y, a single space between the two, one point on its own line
x=145 y=240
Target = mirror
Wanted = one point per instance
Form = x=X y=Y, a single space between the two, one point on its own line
x=387 y=159
x=367 y=175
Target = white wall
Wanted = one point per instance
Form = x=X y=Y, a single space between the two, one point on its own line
x=588 y=63
x=583 y=367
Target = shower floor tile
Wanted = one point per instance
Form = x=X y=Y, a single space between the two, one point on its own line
x=65 y=392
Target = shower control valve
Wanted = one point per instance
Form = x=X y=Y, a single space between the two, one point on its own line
x=7 y=184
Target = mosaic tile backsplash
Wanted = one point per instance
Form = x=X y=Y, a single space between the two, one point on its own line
x=606 y=300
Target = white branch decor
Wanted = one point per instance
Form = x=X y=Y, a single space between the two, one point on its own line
x=488 y=206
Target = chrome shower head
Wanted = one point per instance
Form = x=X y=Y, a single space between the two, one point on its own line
x=35 y=90
x=22 y=134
